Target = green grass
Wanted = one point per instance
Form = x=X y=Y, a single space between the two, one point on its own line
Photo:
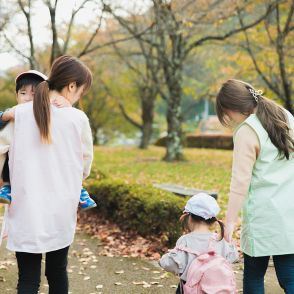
x=204 y=169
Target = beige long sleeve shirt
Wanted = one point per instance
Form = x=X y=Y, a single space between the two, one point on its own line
x=246 y=151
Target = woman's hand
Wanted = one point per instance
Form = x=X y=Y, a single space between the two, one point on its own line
x=60 y=102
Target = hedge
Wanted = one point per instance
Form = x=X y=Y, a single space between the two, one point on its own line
x=142 y=208
x=214 y=141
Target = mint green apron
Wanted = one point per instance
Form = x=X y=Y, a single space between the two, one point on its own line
x=268 y=212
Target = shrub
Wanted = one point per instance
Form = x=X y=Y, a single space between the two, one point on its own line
x=214 y=141
x=97 y=174
x=142 y=208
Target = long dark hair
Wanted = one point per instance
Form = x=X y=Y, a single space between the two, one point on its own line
x=198 y=219
x=64 y=70
x=237 y=96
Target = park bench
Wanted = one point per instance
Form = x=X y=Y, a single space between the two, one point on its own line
x=183 y=191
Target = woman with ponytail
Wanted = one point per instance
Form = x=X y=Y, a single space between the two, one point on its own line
x=262 y=182
x=198 y=221
x=50 y=151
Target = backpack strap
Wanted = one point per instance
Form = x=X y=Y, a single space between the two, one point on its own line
x=212 y=242
x=181 y=287
x=211 y=247
x=188 y=250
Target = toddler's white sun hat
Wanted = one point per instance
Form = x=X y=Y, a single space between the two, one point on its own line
x=31 y=72
x=202 y=205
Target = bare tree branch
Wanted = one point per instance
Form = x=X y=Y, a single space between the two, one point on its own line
x=55 y=48
x=15 y=49
x=127 y=117
x=122 y=109
x=94 y=34
x=127 y=62
x=281 y=57
x=69 y=28
x=107 y=44
x=230 y=33
x=27 y=15
x=287 y=27
x=274 y=87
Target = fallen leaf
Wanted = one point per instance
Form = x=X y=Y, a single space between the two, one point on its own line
x=139 y=283
x=2 y=279
x=146 y=268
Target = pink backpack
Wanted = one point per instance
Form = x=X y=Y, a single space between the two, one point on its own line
x=209 y=273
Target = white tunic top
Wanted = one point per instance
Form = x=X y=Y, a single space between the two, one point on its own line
x=46 y=180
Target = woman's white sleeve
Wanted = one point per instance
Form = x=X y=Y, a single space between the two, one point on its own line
x=6 y=135
x=87 y=141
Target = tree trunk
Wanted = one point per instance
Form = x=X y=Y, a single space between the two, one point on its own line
x=147 y=119
x=146 y=135
x=55 y=49
x=94 y=134
x=171 y=49
x=174 y=149
x=288 y=104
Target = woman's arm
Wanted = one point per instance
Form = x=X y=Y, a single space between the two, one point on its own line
x=246 y=150
x=6 y=116
x=87 y=141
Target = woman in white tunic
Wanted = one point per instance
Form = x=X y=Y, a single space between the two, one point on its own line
x=50 y=153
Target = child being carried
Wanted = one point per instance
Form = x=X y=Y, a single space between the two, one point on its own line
x=25 y=86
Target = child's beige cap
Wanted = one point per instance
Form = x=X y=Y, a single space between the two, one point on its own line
x=33 y=72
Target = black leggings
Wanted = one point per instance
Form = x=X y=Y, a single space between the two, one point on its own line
x=29 y=272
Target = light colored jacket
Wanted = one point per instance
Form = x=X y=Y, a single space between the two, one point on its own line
x=46 y=179
x=178 y=261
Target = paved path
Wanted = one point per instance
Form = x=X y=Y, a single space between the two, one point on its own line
x=90 y=273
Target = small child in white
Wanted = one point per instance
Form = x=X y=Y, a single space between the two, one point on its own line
x=197 y=219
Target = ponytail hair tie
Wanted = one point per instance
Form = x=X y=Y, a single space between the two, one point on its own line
x=256 y=94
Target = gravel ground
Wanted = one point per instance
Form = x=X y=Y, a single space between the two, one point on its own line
x=90 y=273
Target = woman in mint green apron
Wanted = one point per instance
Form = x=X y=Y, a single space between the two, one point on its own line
x=262 y=183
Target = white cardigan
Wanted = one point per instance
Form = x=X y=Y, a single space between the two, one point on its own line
x=46 y=179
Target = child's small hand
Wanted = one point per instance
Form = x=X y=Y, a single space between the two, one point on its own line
x=8 y=114
x=61 y=102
